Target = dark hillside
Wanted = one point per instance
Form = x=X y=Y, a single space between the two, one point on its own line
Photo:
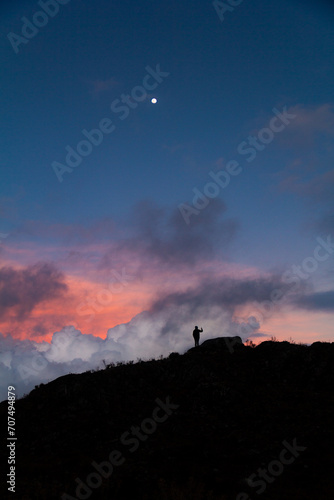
x=192 y=426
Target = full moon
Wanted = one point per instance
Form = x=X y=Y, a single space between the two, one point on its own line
x=154 y=100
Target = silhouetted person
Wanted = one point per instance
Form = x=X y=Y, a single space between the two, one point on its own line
x=196 y=333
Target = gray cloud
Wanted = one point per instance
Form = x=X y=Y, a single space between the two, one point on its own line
x=158 y=235
x=225 y=292
x=22 y=289
x=320 y=301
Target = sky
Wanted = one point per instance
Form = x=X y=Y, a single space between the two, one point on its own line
x=124 y=223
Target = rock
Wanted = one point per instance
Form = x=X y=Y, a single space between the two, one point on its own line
x=225 y=343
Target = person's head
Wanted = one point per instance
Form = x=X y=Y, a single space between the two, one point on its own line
x=196 y=327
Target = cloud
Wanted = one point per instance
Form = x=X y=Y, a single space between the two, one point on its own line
x=258 y=335
x=25 y=364
x=164 y=327
x=152 y=245
x=227 y=293
x=179 y=274
x=150 y=234
x=319 y=301
x=21 y=290
x=160 y=236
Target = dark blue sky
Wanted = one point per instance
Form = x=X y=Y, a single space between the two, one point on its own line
x=225 y=78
